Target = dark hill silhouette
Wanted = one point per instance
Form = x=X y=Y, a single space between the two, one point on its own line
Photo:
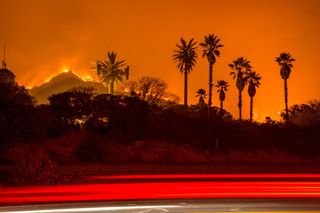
x=61 y=83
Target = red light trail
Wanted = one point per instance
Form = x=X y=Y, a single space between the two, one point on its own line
x=200 y=176
x=167 y=190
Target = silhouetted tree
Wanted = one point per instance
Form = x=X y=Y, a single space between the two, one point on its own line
x=269 y=120
x=12 y=95
x=240 y=67
x=211 y=46
x=222 y=88
x=202 y=94
x=73 y=106
x=112 y=70
x=121 y=118
x=18 y=116
x=304 y=114
x=152 y=90
x=285 y=62
x=254 y=81
x=185 y=56
x=104 y=106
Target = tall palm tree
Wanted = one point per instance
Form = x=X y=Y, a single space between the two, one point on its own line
x=240 y=67
x=185 y=56
x=111 y=71
x=210 y=48
x=222 y=88
x=285 y=62
x=254 y=81
x=202 y=94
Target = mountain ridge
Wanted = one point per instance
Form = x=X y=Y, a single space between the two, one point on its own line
x=61 y=83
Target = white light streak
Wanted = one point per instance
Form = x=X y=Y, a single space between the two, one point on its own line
x=94 y=209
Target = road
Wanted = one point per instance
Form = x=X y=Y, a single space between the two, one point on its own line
x=178 y=206
x=171 y=193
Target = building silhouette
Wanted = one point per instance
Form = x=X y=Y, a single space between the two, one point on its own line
x=6 y=76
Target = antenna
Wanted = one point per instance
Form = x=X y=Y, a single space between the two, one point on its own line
x=4 y=65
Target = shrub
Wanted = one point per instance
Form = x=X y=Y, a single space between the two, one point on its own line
x=63 y=149
x=90 y=148
x=32 y=166
x=152 y=151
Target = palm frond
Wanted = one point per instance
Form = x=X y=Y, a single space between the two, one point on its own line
x=111 y=69
x=210 y=47
x=185 y=55
x=285 y=59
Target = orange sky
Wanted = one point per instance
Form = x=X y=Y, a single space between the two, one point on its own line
x=43 y=36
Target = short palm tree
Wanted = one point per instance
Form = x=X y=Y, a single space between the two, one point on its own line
x=185 y=56
x=111 y=71
x=222 y=88
x=254 y=81
x=211 y=46
x=240 y=67
x=202 y=94
x=285 y=62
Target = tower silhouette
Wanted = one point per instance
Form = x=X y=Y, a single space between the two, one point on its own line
x=6 y=76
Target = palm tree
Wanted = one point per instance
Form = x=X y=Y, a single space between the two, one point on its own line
x=254 y=81
x=201 y=93
x=285 y=62
x=185 y=56
x=240 y=67
x=210 y=48
x=111 y=71
x=222 y=88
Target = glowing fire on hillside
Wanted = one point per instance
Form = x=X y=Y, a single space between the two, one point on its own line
x=67 y=69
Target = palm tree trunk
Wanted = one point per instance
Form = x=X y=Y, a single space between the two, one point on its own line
x=112 y=87
x=240 y=105
x=210 y=84
x=251 y=108
x=286 y=97
x=185 y=88
x=221 y=106
x=108 y=87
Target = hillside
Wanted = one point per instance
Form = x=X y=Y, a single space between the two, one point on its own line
x=60 y=83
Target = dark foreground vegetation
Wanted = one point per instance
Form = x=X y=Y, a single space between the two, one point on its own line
x=78 y=127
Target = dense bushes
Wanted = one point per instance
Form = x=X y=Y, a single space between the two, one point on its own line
x=16 y=106
x=78 y=125
x=32 y=166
